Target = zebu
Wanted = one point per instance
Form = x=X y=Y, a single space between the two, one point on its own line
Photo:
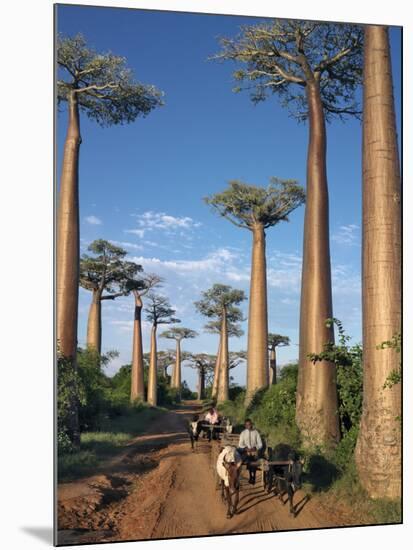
x=194 y=429
x=284 y=477
x=228 y=468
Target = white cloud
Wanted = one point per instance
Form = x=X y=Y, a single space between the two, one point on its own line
x=93 y=220
x=345 y=280
x=139 y=232
x=127 y=326
x=214 y=261
x=347 y=235
x=150 y=221
x=225 y=266
x=290 y=301
x=128 y=245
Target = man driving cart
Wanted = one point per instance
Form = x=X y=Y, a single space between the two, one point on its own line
x=250 y=447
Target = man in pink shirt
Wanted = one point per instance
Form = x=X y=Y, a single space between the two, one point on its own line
x=212 y=418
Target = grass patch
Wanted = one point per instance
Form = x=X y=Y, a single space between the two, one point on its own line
x=347 y=490
x=98 y=446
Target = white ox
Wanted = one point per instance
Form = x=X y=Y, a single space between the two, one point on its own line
x=228 y=469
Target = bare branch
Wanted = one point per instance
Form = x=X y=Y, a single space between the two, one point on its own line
x=110 y=85
x=113 y=296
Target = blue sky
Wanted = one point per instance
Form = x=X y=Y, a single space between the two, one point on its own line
x=142 y=184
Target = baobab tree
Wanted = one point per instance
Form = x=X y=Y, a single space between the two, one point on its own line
x=178 y=334
x=378 y=450
x=221 y=301
x=204 y=363
x=234 y=331
x=315 y=69
x=101 y=86
x=139 y=286
x=165 y=359
x=158 y=312
x=105 y=274
x=256 y=209
x=275 y=341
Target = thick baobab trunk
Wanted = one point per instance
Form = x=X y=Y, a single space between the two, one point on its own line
x=215 y=382
x=316 y=412
x=67 y=246
x=67 y=255
x=94 y=324
x=273 y=367
x=378 y=450
x=176 y=375
x=201 y=384
x=153 y=371
x=137 y=379
x=223 y=377
x=257 y=360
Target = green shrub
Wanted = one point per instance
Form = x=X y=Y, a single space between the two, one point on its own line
x=95 y=387
x=348 y=361
x=186 y=393
x=70 y=395
x=344 y=452
x=235 y=390
x=272 y=410
x=235 y=410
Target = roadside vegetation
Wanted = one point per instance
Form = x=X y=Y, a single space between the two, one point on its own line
x=96 y=446
x=107 y=418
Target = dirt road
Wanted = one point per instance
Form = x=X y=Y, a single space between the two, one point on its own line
x=157 y=488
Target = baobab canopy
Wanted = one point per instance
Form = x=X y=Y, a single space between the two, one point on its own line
x=248 y=206
x=282 y=56
x=104 y=86
x=107 y=270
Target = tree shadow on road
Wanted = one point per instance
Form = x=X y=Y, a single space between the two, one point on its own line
x=321 y=473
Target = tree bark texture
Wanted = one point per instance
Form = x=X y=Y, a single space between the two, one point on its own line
x=273 y=367
x=201 y=384
x=316 y=411
x=137 y=373
x=257 y=358
x=67 y=246
x=94 y=324
x=176 y=375
x=216 y=370
x=153 y=371
x=378 y=450
x=223 y=382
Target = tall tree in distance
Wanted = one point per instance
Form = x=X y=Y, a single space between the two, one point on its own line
x=204 y=363
x=103 y=88
x=378 y=450
x=178 y=334
x=315 y=69
x=234 y=315
x=139 y=286
x=221 y=302
x=158 y=312
x=165 y=359
x=105 y=274
x=256 y=209
x=275 y=341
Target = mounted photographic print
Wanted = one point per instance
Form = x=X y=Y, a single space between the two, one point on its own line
x=228 y=274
